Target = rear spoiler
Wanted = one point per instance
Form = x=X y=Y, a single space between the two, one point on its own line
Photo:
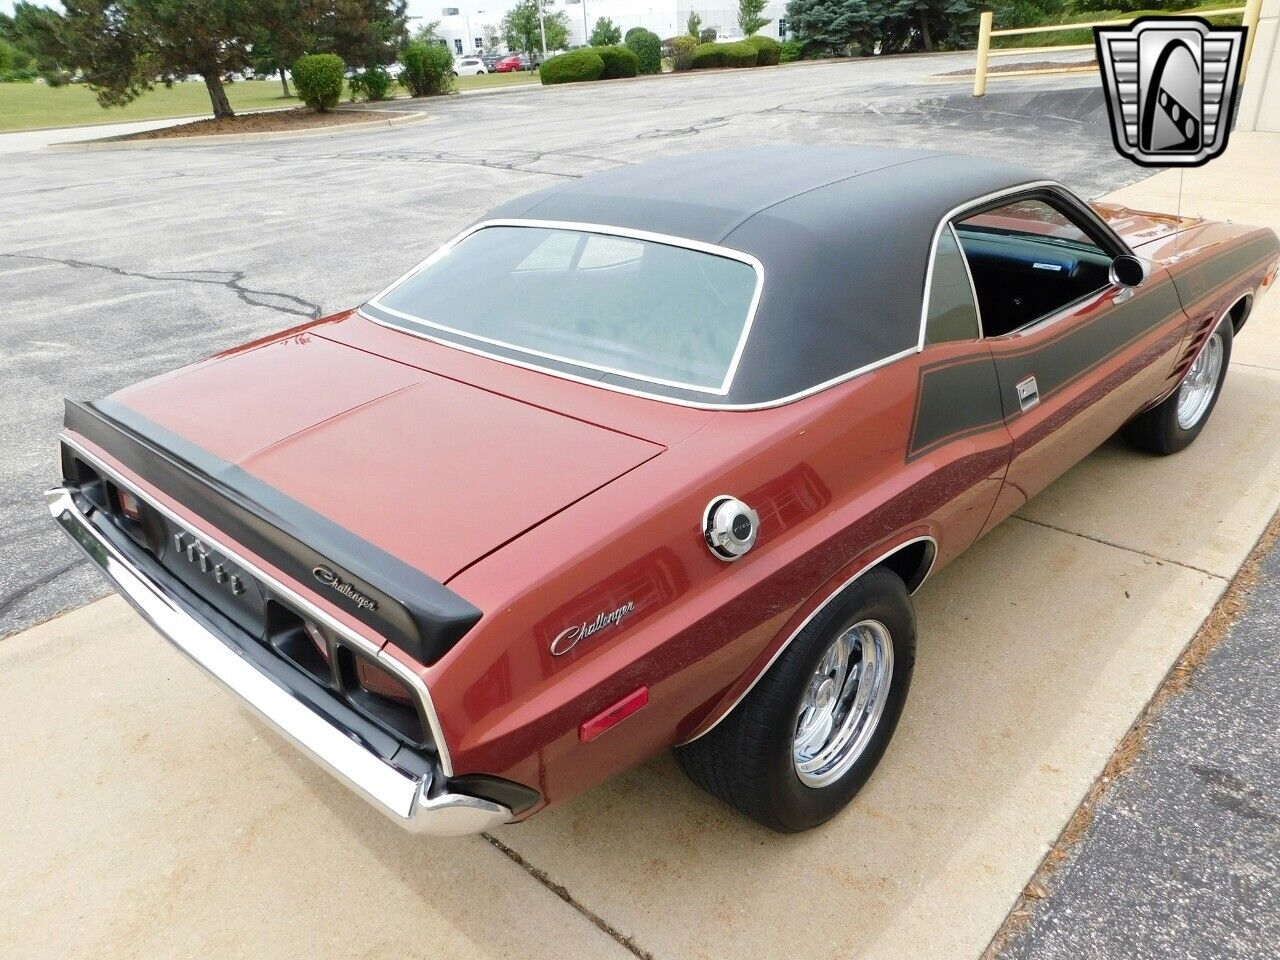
x=411 y=610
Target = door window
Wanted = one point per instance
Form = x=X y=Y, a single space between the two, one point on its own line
x=951 y=313
x=1029 y=260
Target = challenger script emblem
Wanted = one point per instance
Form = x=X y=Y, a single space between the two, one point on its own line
x=336 y=583
x=1171 y=85
x=568 y=638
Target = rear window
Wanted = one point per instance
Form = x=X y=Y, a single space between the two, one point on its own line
x=635 y=307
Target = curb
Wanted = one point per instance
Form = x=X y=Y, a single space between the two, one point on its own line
x=400 y=118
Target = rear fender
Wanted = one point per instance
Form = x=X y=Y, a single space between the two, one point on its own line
x=899 y=554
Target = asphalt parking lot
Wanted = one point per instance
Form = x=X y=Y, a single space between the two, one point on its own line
x=182 y=827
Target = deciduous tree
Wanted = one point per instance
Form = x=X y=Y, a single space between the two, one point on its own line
x=749 y=19
x=522 y=31
x=694 y=24
x=605 y=34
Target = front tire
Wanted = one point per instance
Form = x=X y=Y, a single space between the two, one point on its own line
x=807 y=737
x=1175 y=422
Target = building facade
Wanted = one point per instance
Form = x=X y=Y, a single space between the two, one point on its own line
x=463 y=28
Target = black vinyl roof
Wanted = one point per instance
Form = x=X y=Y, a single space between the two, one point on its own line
x=843 y=232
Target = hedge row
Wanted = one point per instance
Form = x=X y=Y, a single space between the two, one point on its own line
x=591 y=63
x=751 y=52
x=642 y=53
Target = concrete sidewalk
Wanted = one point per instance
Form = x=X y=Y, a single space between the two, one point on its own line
x=148 y=816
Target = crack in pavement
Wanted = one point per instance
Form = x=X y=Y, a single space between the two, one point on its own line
x=29 y=588
x=1121 y=546
x=627 y=943
x=232 y=280
x=517 y=164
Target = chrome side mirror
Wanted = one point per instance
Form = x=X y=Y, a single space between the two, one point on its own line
x=1127 y=271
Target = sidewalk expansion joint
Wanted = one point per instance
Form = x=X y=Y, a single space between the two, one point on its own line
x=628 y=943
x=1121 y=546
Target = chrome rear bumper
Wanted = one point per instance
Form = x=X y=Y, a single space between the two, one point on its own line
x=406 y=799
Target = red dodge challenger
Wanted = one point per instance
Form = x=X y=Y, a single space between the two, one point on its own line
x=676 y=491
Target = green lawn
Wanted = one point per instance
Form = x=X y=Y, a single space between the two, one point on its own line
x=1073 y=37
x=35 y=106
x=497 y=79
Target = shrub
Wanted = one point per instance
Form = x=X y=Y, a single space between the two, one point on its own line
x=618 y=62
x=707 y=55
x=740 y=54
x=708 y=35
x=647 y=48
x=371 y=84
x=318 y=79
x=682 y=52
x=428 y=69
x=768 y=50
x=573 y=67
x=792 y=50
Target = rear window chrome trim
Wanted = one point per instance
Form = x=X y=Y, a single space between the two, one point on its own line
x=644 y=394
x=711 y=249
x=303 y=604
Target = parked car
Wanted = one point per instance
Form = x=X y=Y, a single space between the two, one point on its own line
x=491 y=59
x=468 y=67
x=670 y=483
x=512 y=63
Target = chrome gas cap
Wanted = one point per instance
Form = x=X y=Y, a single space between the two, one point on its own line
x=730 y=527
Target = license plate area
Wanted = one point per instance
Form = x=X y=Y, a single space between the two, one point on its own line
x=211 y=576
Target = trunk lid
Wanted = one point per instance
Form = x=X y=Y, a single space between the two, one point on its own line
x=434 y=471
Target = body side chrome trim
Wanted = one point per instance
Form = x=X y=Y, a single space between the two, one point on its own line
x=406 y=799
x=833 y=596
x=603 y=230
x=305 y=605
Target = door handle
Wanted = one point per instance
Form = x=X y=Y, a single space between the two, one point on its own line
x=1028 y=393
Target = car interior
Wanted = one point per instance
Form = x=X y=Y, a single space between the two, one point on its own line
x=1028 y=261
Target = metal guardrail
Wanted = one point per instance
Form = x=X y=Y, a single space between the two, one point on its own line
x=1249 y=14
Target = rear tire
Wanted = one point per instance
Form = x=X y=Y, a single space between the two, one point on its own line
x=1175 y=422
x=804 y=740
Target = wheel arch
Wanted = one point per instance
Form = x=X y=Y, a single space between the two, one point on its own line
x=1239 y=311
x=912 y=559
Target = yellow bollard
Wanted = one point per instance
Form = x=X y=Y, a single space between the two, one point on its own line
x=1252 y=11
x=984 y=47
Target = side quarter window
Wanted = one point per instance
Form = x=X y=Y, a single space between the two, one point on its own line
x=951 y=313
x=1029 y=259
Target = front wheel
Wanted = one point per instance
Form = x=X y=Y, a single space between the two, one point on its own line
x=805 y=739
x=1175 y=422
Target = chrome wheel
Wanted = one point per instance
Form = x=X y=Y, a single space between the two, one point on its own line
x=1198 y=386
x=842 y=704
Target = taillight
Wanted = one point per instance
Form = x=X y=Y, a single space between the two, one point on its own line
x=317 y=638
x=377 y=681
x=129 y=505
